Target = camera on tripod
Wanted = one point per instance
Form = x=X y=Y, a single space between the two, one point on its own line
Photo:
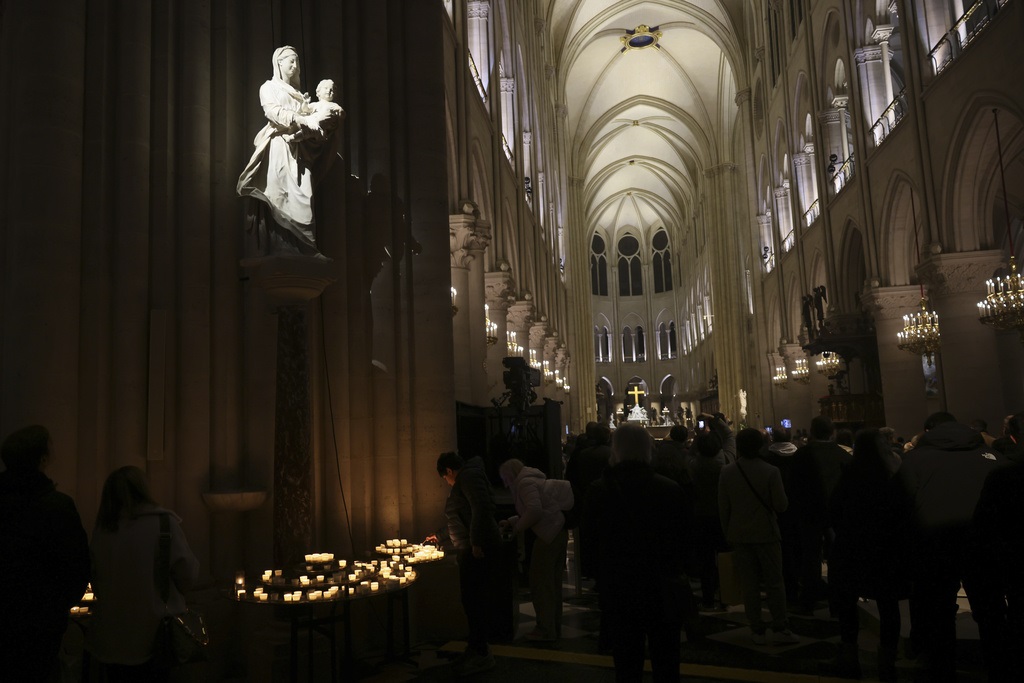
x=519 y=381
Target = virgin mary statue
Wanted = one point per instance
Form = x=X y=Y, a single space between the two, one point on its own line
x=292 y=151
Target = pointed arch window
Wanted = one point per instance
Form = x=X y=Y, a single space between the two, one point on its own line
x=672 y=349
x=602 y=344
x=663 y=341
x=661 y=262
x=628 y=355
x=641 y=347
x=598 y=267
x=630 y=275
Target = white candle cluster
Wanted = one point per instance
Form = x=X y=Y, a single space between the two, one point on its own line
x=320 y=558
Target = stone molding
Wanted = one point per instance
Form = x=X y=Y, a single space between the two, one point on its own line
x=576 y=181
x=882 y=33
x=841 y=102
x=829 y=116
x=764 y=219
x=561 y=111
x=508 y=84
x=290 y=280
x=538 y=332
x=527 y=137
x=742 y=97
x=960 y=273
x=781 y=192
x=549 y=70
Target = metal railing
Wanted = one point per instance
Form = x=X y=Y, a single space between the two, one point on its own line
x=788 y=241
x=476 y=78
x=842 y=175
x=812 y=213
x=963 y=32
x=508 y=150
x=890 y=118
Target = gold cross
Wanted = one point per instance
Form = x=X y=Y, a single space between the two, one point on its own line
x=636 y=394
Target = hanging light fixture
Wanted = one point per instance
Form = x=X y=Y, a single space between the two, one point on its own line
x=829 y=364
x=1003 y=307
x=780 y=377
x=920 y=333
x=490 y=327
x=801 y=373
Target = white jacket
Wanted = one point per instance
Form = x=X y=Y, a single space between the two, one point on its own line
x=539 y=502
x=128 y=607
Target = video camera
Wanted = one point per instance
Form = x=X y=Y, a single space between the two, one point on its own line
x=519 y=381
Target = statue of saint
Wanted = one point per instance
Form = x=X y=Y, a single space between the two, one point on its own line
x=293 y=151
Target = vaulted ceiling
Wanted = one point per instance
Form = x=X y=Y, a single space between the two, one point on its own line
x=645 y=121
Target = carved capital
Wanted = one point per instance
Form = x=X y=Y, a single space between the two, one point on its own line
x=841 y=102
x=742 y=97
x=882 y=33
x=499 y=289
x=791 y=352
x=551 y=345
x=890 y=303
x=561 y=111
x=782 y=191
x=764 y=219
x=508 y=84
x=478 y=9
x=538 y=332
x=868 y=53
x=829 y=116
x=520 y=316
x=527 y=137
x=960 y=273
x=803 y=159
x=539 y=24
x=549 y=70
x=467 y=237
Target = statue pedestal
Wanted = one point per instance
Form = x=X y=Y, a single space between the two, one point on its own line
x=290 y=280
x=291 y=284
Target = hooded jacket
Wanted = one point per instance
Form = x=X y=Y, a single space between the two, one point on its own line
x=943 y=476
x=540 y=502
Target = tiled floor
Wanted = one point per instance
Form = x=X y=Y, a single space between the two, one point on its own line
x=727 y=652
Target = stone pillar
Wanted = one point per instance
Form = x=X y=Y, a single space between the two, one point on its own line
x=903 y=382
x=956 y=283
x=881 y=36
x=805 y=185
x=468 y=237
x=730 y=338
x=499 y=292
x=869 y=69
x=291 y=283
x=478 y=13
x=840 y=103
x=784 y=210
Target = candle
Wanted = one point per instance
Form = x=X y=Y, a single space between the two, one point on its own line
x=319 y=578
x=278 y=572
x=304 y=580
x=264 y=597
x=309 y=558
x=241 y=594
x=341 y=564
x=87 y=596
x=351 y=577
x=74 y=609
x=374 y=585
x=240 y=578
x=287 y=597
x=401 y=580
x=351 y=591
x=83 y=610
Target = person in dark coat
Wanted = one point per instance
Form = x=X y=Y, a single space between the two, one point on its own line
x=44 y=559
x=813 y=476
x=632 y=520
x=999 y=523
x=473 y=530
x=671 y=456
x=943 y=477
x=708 y=538
x=869 y=513
x=780 y=453
x=586 y=466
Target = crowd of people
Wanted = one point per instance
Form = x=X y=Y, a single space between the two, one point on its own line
x=812 y=525
x=42 y=536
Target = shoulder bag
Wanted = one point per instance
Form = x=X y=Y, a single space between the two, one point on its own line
x=180 y=638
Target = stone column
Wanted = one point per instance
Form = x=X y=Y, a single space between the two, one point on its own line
x=799 y=404
x=869 y=68
x=805 y=186
x=881 y=36
x=969 y=350
x=468 y=237
x=478 y=13
x=291 y=284
x=903 y=382
x=787 y=227
x=499 y=292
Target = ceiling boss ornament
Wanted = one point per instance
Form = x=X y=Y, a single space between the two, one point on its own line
x=640 y=37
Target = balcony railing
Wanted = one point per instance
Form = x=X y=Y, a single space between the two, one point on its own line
x=768 y=260
x=508 y=150
x=842 y=175
x=476 y=79
x=963 y=33
x=788 y=241
x=812 y=213
x=890 y=118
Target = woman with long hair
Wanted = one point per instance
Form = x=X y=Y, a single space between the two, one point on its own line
x=125 y=557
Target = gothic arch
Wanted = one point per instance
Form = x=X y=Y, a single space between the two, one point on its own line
x=898 y=259
x=851 y=272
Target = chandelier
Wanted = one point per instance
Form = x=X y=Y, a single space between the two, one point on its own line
x=1003 y=307
x=920 y=333
x=490 y=327
x=549 y=376
x=534 y=363
x=780 y=377
x=828 y=364
x=801 y=373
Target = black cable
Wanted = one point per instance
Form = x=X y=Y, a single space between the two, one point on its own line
x=334 y=433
